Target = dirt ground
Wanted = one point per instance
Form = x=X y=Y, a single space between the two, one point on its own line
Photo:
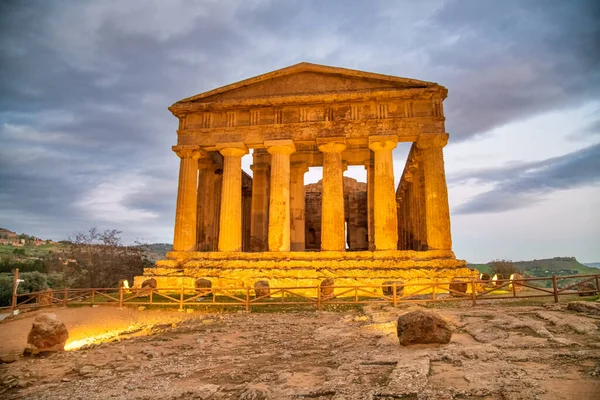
x=496 y=352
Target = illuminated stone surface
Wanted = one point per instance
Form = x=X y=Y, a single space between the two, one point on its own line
x=235 y=231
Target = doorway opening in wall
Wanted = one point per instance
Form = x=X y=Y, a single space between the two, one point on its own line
x=346 y=235
x=312 y=208
x=400 y=154
x=356 y=208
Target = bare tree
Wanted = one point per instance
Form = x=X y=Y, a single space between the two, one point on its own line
x=99 y=259
x=503 y=267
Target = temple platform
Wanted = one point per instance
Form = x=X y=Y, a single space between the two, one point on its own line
x=298 y=269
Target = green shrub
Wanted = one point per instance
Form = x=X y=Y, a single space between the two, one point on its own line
x=6 y=286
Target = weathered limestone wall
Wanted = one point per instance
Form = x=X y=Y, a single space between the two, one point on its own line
x=296 y=269
x=355 y=214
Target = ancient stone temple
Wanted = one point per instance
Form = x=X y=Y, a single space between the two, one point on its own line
x=235 y=230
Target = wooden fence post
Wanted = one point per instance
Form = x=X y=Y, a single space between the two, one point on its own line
x=66 y=298
x=248 y=299
x=13 y=303
x=93 y=295
x=181 y=298
x=597 y=284
x=394 y=294
x=433 y=290
x=121 y=297
x=555 y=288
x=318 y=297
x=473 y=292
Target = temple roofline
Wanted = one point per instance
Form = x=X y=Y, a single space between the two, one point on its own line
x=309 y=67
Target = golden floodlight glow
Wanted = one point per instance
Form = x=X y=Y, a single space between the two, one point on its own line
x=92 y=336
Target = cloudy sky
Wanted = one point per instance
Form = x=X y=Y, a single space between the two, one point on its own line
x=85 y=133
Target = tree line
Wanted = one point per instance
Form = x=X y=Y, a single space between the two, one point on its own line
x=91 y=259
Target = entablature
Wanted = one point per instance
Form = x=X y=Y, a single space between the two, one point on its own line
x=407 y=130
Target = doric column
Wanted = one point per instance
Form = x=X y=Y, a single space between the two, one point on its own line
x=230 y=226
x=186 y=211
x=385 y=217
x=370 y=200
x=279 y=201
x=437 y=211
x=260 y=207
x=332 y=197
x=297 y=198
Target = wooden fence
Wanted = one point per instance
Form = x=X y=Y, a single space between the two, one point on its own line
x=472 y=290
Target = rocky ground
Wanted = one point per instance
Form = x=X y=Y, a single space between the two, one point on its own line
x=496 y=352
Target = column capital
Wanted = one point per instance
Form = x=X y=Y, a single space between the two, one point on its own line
x=259 y=167
x=383 y=142
x=299 y=167
x=280 y=146
x=232 y=149
x=331 y=145
x=189 y=151
x=428 y=141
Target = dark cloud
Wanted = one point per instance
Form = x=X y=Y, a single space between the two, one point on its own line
x=509 y=60
x=86 y=85
x=524 y=184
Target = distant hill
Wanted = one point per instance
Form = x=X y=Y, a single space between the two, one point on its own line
x=157 y=251
x=546 y=267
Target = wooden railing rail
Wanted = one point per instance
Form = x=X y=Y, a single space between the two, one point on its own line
x=433 y=291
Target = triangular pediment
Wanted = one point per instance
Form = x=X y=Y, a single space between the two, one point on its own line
x=306 y=79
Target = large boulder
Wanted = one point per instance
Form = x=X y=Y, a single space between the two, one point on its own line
x=458 y=288
x=203 y=286
x=149 y=284
x=388 y=288
x=47 y=333
x=587 y=289
x=590 y=307
x=420 y=327
x=261 y=289
x=45 y=298
x=516 y=282
x=327 y=288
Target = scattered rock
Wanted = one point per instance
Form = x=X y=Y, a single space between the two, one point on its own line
x=7 y=358
x=516 y=282
x=254 y=394
x=327 y=288
x=204 y=285
x=149 y=284
x=584 y=307
x=261 y=289
x=141 y=308
x=458 y=288
x=87 y=370
x=48 y=333
x=388 y=288
x=45 y=298
x=587 y=289
x=419 y=327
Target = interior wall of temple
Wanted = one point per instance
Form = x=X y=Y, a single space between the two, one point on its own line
x=355 y=215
